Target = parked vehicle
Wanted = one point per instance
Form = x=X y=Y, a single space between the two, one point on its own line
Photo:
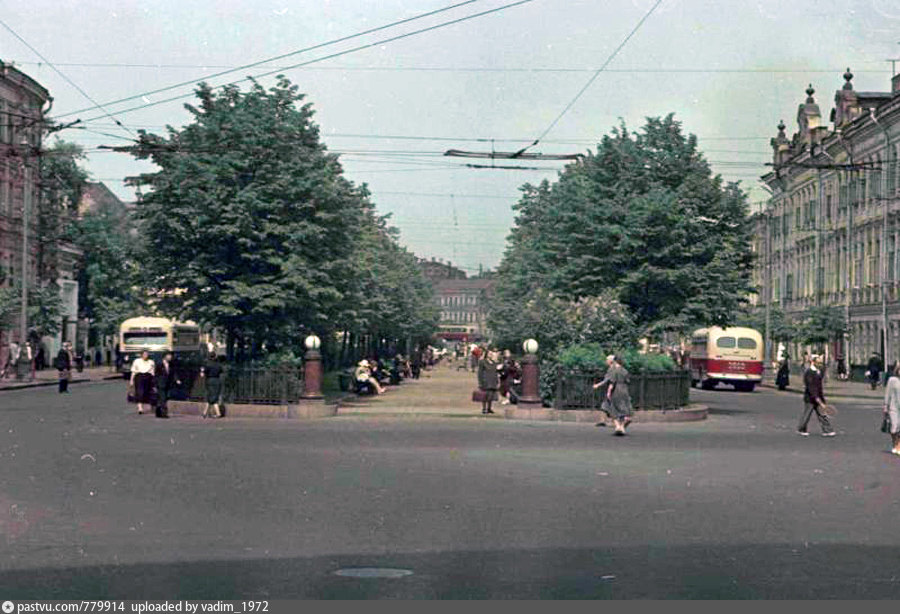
x=158 y=336
x=730 y=356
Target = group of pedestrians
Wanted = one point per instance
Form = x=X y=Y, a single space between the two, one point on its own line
x=153 y=385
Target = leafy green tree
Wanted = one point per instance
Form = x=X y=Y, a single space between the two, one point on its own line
x=781 y=328
x=61 y=186
x=644 y=217
x=109 y=280
x=389 y=299
x=249 y=224
x=44 y=311
x=821 y=325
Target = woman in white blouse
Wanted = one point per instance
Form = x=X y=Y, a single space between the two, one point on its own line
x=142 y=370
x=892 y=408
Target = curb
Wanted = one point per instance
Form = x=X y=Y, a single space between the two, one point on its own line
x=828 y=393
x=293 y=411
x=688 y=413
x=44 y=384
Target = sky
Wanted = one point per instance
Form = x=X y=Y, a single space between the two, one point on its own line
x=728 y=70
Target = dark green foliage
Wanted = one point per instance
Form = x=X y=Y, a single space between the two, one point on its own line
x=109 y=280
x=62 y=183
x=591 y=357
x=642 y=217
x=251 y=228
x=821 y=325
x=782 y=329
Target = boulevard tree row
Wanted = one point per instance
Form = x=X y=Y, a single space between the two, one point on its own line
x=637 y=239
x=248 y=227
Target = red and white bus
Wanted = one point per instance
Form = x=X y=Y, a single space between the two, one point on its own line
x=728 y=355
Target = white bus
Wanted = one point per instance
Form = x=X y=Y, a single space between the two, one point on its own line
x=731 y=356
x=158 y=336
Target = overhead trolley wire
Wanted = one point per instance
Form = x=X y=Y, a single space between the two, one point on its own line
x=321 y=59
x=512 y=69
x=279 y=57
x=97 y=105
x=596 y=74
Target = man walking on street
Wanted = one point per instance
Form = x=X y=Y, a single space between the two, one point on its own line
x=874 y=370
x=814 y=400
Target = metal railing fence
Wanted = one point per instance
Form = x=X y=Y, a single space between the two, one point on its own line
x=670 y=390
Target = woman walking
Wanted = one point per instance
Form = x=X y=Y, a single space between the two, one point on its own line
x=488 y=381
x=142 y=371
x=617 y=395
x=892 y=409
x=211 y=373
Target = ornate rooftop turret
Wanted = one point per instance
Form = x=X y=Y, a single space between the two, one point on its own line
x=781 y=146
x=846 y=103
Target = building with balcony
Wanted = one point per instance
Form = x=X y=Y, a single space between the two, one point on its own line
x=830 y=233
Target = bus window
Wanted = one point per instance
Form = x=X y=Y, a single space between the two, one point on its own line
x=726 y=342
x=145 y=338
x=746 y=344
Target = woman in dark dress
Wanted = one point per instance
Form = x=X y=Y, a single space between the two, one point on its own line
x=618 y=400
x=783 y=377
x=211 y=373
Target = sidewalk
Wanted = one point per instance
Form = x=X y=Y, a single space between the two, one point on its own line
x=835 y=388
x=50 y=377
x=443 y=391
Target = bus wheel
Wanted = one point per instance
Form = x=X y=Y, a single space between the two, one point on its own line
x=708 y=384
x=744 y=386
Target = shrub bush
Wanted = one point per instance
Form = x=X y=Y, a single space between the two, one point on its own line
x=592 y=357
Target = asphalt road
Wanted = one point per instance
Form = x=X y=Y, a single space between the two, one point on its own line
x=97 y=502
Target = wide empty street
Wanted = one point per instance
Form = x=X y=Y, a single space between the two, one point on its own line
x=97 y=501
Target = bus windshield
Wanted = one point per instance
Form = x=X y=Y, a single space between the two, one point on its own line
x=145 y=338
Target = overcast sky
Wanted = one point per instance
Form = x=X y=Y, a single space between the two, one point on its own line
x=729 y=70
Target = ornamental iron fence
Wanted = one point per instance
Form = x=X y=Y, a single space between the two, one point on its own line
x=669 y=390
x=255 y=385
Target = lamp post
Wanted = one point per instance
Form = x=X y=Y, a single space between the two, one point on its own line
x=531 y=375
x=312 y=369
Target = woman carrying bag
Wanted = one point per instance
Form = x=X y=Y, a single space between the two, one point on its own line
x=891 y=412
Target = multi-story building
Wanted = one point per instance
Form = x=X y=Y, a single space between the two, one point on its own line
x=464 y=304
x=23 y=104
x=830 y=233
x=463 y=301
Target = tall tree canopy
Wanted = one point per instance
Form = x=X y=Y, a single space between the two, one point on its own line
x=251 y=227
x=642 y=216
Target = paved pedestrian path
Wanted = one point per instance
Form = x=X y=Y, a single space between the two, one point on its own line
x=837 y=389
x=444 y=390
x=50 y=377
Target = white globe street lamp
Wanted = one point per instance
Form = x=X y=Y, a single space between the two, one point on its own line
x=312 y=342
x=530 y=346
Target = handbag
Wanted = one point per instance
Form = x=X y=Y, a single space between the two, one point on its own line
x=479 y=396
x=130 y=394
x=886 y=424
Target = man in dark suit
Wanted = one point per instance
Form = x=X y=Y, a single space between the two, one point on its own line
x=166 y=380
x=814 y=399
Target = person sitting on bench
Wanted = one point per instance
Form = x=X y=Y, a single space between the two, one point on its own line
x=364 y=379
